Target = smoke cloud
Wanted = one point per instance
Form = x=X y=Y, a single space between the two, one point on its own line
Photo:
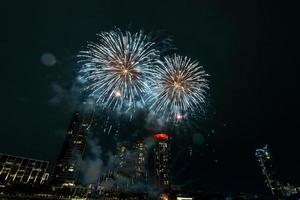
x=92 y=165
x=114 y=177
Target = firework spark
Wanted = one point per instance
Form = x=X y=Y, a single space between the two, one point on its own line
x=179 y=88
x=116 y=68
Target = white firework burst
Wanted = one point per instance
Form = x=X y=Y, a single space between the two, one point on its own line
x=179 y=88
x=116 y=68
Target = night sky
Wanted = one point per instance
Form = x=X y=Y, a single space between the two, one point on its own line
x=248 y=48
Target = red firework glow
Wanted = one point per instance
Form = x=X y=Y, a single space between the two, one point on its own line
x=161 y=136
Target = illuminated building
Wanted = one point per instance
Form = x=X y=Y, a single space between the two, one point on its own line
x=131 y=161
x=113 y=181
x=278 y=189
x=140 y=165
x=129 y=169
x=122 y=151
x=15 y=169
x=161 y=160
x=264 y=160
x=263 y=157
x=66 y=170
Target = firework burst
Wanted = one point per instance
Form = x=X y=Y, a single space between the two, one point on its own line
x=179 y=88
x=116 y=68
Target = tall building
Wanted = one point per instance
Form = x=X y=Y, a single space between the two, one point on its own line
x=121 y=157
x=128 y=169
x=279 y=190
x=66 y=170
x=161 y=160
x=16 y=169
x=264 y=160
x=140 y=162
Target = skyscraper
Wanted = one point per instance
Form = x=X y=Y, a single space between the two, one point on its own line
x=121 y=157
x=140 y=162
x=161 y=160
x=129 y=168
x=279 y=190
x=66 y=170
x=264 y=160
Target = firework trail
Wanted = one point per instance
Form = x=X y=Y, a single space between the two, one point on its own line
x=179 y=88
x=116 y=68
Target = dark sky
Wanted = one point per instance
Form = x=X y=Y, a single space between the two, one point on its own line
x=248 y=48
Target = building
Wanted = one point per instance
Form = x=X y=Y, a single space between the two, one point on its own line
x=122 y=157
x=140 y=162
x=264 y=160
x=132 y=161
x=277 y=189
x=16 y=169
x=66 y=170
x=123 y=168
x=128 y=169
x=161 y=161
x=119 y=177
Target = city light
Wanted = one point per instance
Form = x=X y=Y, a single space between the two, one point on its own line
x=161 y=136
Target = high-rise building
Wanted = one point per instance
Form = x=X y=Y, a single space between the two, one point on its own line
x=161 y=160
x=279 y=190
x=121 y=157
x=16 y=169
x=128 y=169
x=140 y=162
x=264 y=160
x=123 y=168
x=66 y=170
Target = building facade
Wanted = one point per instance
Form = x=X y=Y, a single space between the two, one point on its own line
x=66 y=170
x=16 y=169
x=161 y=160
x=140 y=162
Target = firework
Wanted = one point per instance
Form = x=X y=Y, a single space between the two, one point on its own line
x=179 y=88
x=116 y=68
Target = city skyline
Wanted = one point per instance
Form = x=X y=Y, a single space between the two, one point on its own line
x=247 y=48
x=67 y=175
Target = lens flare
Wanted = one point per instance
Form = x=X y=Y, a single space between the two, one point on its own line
x=116 y=68
x=179 y=88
